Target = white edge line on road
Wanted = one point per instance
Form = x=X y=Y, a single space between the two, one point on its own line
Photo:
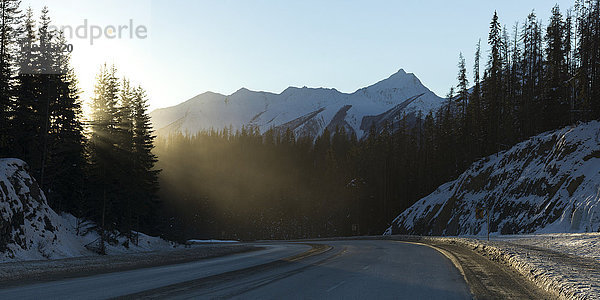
x=448 y=255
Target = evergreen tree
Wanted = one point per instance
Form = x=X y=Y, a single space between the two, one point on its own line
x=66 y=161
x=61 y=172
x=475 y=111
x=103 y=152
x=531 y=70
x=463 y=86
x=556 y=105
x=123 y=155
x=515 y=84
x=507 y=127
x=493 y=91
x=588 y=52
x=9 y=22
x=144 y=162
x=48 y=88
x=462 y=122
x=27 y=110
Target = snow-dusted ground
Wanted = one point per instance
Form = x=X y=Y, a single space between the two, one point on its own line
x=578 y=244
x=567 y=264
x=72 y=244
x=31 y=230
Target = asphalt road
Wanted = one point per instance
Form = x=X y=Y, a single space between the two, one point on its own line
x=355 y=269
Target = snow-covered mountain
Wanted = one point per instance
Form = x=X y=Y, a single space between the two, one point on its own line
x=307 y=111
x=549 y=183
x=31 y=230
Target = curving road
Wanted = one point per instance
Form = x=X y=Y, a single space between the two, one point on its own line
x=332 y=269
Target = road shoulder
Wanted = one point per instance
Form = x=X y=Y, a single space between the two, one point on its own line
x=27 y=272
x=488 y=279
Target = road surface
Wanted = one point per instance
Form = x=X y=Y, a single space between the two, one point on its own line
x=363 y=269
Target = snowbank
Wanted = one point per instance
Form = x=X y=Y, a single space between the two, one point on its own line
x=578 y=244
x=31 y=230
x=554 y=269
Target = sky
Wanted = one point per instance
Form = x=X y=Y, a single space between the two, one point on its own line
x=185 y=48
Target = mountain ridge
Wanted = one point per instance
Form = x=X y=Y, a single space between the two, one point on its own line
x=325 y=108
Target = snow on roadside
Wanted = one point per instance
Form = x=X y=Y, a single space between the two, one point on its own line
x=69 y=243
x=210 y=241
x=557 y=263
x=145 y=242
x=578 y=244
x=31 y=230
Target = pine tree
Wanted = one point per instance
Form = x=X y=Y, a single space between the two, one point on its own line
x=104 y=165
x=27 y=107
x=123 y=135
x=61 y=130
x=515 y=83
x=588 y=52
x=9 y=22
x=493 y=87
x=462 y=128
x=507 y=106
x=463 y=85
x=570 y=40
x=556 y=106
x=595 y=58
x=48 y=88
x=475 y=111
x=531 y=70
x=65 y=176
x=144 y=162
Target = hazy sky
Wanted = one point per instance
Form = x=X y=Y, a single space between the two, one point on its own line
x=221 y=46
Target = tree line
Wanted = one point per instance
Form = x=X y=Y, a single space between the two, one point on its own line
x=537 y=78
x=247 y=185
x=99 y=168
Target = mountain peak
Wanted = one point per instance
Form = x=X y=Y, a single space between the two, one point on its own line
x=401 y=79
x=400 y=72
x=401 y=82
x=242 y=91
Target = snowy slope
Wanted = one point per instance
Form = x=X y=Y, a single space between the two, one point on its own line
x=31 y=230
x=307 y=111
x=549 y=183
